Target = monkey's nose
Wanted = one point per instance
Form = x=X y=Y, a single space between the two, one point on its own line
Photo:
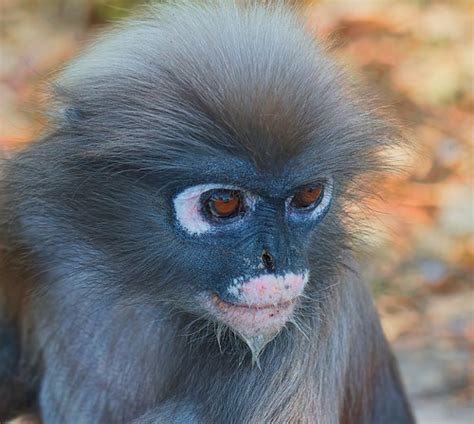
x=267 y=260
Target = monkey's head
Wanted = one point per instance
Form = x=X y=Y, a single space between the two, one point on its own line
x=210 y=158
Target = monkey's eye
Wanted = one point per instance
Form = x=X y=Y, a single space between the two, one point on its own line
x=307 y=198
x=223 y=203
x=204 y=207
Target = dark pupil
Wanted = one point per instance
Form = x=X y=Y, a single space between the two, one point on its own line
x=224 y=203
x=308 y=197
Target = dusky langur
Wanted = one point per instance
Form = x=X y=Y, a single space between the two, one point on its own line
x=178 y=247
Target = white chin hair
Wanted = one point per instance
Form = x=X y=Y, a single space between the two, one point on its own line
x=257 y=343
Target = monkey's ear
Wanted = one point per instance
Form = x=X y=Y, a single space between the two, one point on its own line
x=66 y=109
x=72 y=114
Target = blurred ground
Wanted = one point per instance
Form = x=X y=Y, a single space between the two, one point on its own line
x=420 y=56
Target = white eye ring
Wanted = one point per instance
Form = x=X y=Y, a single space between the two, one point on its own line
x=321 y=208
x=188 y=208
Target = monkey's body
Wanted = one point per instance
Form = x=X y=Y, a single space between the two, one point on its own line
x=134 y=272
x=102 y=372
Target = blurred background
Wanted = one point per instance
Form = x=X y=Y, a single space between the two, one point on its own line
x=419 y=56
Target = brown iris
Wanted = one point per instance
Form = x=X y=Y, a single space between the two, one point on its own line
x=307 y=197
x=223 y=203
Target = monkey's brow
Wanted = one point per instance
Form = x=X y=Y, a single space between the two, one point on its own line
x=264 y=185
x=272 y=184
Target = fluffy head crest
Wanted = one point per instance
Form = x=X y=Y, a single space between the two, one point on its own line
x=219 y=77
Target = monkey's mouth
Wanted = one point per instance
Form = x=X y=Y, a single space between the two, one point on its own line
x=222 y=304
x=251 y=320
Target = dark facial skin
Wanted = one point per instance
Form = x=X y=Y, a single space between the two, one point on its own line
x=265 y=246
x=128 y=293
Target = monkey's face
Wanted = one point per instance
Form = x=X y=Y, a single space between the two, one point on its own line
x=246 y=246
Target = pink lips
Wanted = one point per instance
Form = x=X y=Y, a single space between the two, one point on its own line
x=223 y=305
x=251 y=320
x=264 y=304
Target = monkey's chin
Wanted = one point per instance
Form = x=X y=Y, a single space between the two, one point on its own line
x=257 y=343
x=256 y=325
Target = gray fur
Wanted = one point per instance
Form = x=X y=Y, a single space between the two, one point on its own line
x=107 y=319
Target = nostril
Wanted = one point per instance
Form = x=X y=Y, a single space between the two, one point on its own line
x=267 y=260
